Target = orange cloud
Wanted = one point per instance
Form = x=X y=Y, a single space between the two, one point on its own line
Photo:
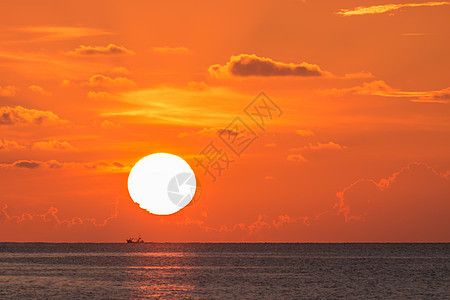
x=296 y=158
x=108 y=82
x=320 y=146
x=111 y=49
x=108 y=124
x=52 y=145
x=7 y=91
x=411 y=203
x=171 y=50
x=120 y=71
x=20 y=115
x=245 y=65
x=304 y=132
x=208 y=107
x=381 y=88
x=48 y=33
x=101 y=95
x=379 y=9
x=357 y=75
x=435 y=96
x=51 y=217
x=39 y=90
x=8 y=145
x=209 y=132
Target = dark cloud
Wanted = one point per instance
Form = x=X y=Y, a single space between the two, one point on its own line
x=27 y=164
x=251 y=65
x=227 y=132
x=117 y=164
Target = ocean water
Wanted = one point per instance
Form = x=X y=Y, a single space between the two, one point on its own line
x=224 y=271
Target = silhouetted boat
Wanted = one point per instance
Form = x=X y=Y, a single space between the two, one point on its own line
x=138 y=240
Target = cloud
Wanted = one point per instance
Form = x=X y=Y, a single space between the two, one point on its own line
x=321 y=146
x=209 y=132
x=48 y=33
x=381 y=88
x=296 y=158
x=8 y=145
x=20 y=115
x=51 y=217
x=171 y=50
x=52 y=145
x=414 y=34
x=120 y=71
x=111 y=49
x=209 y=107
x=227 y=132
x=39 y=90
x=65 y=83
x=379 y=9
x=313 y=147
x=108 y=82
x=7 y=91
x=26 y=164
x=101 y=95
x=304 y=132
x=108 y=125
x=358 y=75
x=245 y=65
x=411 y=204
x=197 y=86
x=436 y=96
x=97 y=166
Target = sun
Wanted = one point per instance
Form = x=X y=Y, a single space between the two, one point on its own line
x=162 y=183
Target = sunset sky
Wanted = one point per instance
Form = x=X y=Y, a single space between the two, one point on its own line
x=359 y=149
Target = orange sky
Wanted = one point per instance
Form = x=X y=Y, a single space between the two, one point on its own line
x=360 y=152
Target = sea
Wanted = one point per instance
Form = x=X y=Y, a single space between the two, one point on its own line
x=224 y=271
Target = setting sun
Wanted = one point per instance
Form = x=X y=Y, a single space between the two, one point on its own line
x=162 y=183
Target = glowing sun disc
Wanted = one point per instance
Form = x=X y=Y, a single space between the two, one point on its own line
x=162 y=183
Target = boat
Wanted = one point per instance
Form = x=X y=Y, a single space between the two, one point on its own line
x=133 y=240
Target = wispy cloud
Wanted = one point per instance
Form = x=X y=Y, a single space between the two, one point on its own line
x=111 y=49
x=380 y=9
x=381 y=88
x=96 y=166
x=414 y=34
x=208 y=107
x=51 y=33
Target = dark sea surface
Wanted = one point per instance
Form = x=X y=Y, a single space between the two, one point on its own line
x=223 y=271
